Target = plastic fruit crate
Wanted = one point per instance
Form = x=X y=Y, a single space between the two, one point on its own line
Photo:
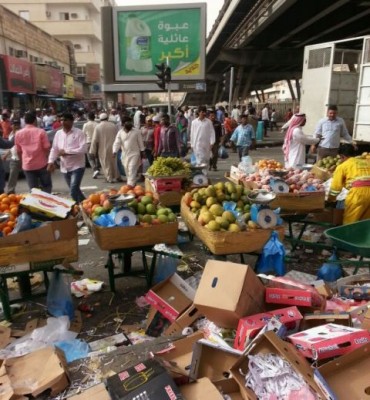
x=167 y=185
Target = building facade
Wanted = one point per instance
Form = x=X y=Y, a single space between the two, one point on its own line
x=33 y=64
x=76 y=22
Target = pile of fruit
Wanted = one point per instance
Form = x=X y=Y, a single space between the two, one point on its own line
x=329 y=163
x=9 y=204
x=144 y=205
x=169 y=166
x=364 y=156
x=208 y=204
x=298 y=180
x=269 y=164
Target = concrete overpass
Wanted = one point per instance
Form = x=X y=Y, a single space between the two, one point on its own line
x=264 y=41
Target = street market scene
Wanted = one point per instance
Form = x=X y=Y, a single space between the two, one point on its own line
x=185 y=207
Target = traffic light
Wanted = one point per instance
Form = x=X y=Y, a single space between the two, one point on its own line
x=164 y=75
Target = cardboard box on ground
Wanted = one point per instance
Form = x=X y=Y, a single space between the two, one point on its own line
x=34 y=373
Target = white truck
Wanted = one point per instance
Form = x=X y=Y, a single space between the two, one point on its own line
x=338 y=73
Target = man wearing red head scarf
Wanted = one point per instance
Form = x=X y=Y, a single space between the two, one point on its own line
x=295 y=141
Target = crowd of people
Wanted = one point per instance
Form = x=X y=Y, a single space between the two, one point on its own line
x=119 y=143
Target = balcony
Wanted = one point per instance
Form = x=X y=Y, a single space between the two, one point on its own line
x=70 y=28
x=84 y=57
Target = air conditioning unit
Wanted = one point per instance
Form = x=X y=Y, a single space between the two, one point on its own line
x=21 y=53
x=74 y=15
x=48 y=14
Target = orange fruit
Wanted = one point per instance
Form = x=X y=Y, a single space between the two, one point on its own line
x=10 y=224
x=7 y=230
x=2 y=196
x=12 y=197
x=5 y=200
x=12 y=217
x=14 y=210
x=94 y=198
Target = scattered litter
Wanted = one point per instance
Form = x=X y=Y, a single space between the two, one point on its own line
x=141 y=302
x=83 y=242
x=85 y=287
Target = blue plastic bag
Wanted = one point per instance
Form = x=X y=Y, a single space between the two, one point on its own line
x=166 y=266
x=59 y=299
x=222 y=153
x=272 y=257
x=73 y=349
x=330 y=272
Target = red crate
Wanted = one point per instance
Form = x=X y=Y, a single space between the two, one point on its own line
x=167 y=185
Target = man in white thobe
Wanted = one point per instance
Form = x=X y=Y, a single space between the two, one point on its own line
x=202 y=137
x=102 y=144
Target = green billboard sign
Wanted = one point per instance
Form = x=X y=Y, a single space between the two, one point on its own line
x=150 y=35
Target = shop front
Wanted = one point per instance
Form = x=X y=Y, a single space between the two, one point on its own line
x=49 y=85
x=18 y=83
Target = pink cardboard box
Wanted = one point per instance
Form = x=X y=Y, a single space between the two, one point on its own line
x=249 y=326
x=294 y=297
x=292 y=292
x=171 y=297
x=329 y=340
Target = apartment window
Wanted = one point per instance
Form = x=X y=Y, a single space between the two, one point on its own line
x=81 y=70
x=11 y=51
x=25 y=14
x=64 y=16
x=77 y=46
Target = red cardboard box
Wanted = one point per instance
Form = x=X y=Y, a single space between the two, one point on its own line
x=329 y=340
x=294 y=297
x=171 y=297
x=293 y=293
x=249 y=326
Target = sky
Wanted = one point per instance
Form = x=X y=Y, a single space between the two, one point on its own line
x=213 y=6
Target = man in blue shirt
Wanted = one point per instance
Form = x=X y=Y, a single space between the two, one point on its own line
x=244 y=137
x=331 y=130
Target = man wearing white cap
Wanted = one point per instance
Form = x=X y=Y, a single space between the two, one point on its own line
x=102 y=145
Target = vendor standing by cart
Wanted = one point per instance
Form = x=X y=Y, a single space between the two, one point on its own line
x=354 y=175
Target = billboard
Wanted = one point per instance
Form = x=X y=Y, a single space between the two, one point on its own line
x=149 y=35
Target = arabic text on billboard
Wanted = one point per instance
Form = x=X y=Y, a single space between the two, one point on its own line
x=149 y=37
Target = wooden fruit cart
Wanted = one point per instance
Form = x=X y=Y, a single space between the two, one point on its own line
x=227 y=243
x=123 y=241
x=38 y=249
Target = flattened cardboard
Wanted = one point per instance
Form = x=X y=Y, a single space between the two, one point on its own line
x=249 y=327
x=231 y=388
x=271 y=343
x=6 y=390
x=328 y=341
x=37 y=371
x=212 y=361
x=347 y=376
x=227 y=292
x=171 y=297
x=321 y=318
x=97 y=392
x=202 y=389
x=181 y=352
x=5 y=334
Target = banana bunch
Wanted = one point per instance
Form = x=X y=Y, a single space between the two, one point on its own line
x=169 y=166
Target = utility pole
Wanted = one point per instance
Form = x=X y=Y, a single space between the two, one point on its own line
x=231 y=88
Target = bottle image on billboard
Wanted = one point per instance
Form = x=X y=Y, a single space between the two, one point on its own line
x=138 y=47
